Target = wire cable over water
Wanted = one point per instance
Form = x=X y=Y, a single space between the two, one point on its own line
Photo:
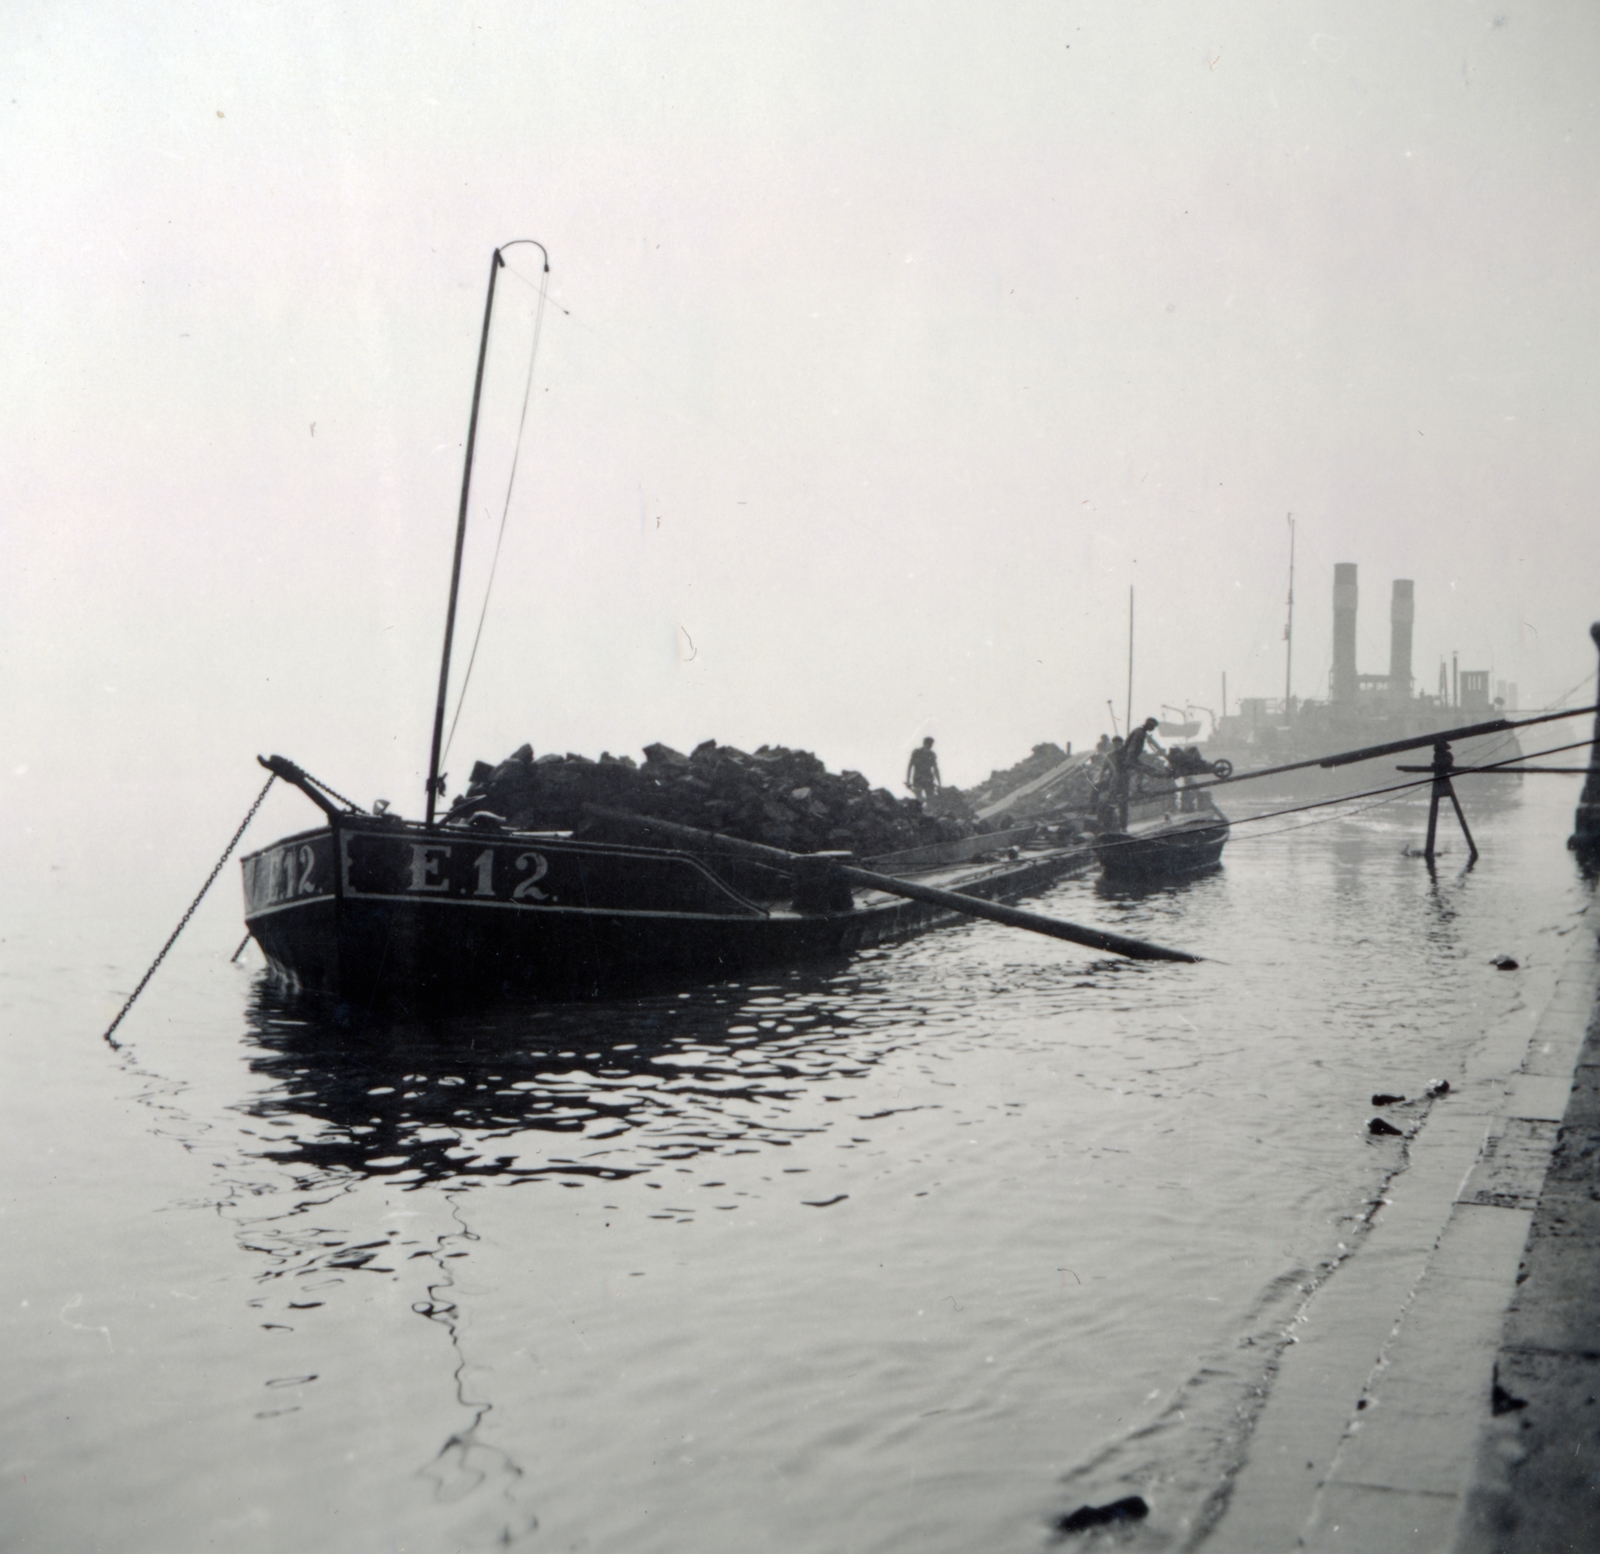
x=1385 y=795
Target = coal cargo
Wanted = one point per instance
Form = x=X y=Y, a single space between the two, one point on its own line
x=1021 y=792
x=1044 y=758
x=785 y=798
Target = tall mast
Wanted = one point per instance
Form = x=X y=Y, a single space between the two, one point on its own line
x=1288 y=630
x=434 y=782
x=1129 y=724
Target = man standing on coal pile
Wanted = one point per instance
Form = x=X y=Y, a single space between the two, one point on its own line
x=922 y=771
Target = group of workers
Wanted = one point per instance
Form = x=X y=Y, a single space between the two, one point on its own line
x=1119 y=759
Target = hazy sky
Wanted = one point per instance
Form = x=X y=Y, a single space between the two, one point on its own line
x=888 y=346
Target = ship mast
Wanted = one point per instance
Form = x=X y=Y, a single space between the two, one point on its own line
x=434 y=783
x=496 y=264
x=1129 y=726
x=1288 y=631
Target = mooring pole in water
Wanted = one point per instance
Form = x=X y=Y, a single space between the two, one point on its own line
x=1443 y=765
x=1441 y=759
x=1585 y=838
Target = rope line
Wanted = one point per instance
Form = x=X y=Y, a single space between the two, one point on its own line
x=1573 y=690
x=1305 y=825
x=505 y=512
x=183 y=922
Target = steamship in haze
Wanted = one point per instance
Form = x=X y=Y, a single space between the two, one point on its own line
x=1366 y=709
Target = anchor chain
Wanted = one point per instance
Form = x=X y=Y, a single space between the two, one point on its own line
x=183 y=922
x=332 y=792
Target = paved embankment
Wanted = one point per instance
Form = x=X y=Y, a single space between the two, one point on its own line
x=1374 y=1434
x=1538 y=1482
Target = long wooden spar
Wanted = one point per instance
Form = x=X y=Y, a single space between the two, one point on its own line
x=956 y=901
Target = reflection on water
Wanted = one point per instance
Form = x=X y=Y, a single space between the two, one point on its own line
x=584 y=1093
x=729 y=1081
x=1129 y=890
x=623 y=1086
x=470 y=1463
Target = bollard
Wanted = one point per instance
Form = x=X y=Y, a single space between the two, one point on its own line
x=1585 y=838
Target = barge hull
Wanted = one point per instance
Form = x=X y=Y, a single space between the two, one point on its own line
x=442 y=918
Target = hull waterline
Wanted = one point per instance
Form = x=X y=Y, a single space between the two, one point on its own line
x=363 y=911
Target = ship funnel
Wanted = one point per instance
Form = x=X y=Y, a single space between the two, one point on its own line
x=1344 y=631
x=1402 y=611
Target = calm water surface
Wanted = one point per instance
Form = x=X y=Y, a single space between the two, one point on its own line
x=914 y=1252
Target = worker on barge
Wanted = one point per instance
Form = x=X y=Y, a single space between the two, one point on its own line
x=922 y=771
x=1127 y=760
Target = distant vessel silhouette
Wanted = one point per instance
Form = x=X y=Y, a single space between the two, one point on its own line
x=1362 y=710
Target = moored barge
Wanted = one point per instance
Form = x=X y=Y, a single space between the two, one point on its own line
x=372 y=908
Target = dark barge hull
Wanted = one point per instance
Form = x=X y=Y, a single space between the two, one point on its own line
x=1168 y=850
x=395 y=913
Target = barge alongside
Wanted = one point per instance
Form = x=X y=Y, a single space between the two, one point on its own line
x=439 y=915
x=371 y=908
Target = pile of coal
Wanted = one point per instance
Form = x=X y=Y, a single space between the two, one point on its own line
x=997 y=784
x=785 y=798
x=1070 y=797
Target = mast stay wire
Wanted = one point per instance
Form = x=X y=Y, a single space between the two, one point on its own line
x=505 y=511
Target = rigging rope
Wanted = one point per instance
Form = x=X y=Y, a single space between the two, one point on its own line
x=505 y=511
x=183 y=922
x=1573 y=689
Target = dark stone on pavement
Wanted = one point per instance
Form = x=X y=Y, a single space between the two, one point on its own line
x=1501 y=1401
x=1131 y=1509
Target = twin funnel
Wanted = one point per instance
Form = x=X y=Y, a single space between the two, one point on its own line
x=1347 y=682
